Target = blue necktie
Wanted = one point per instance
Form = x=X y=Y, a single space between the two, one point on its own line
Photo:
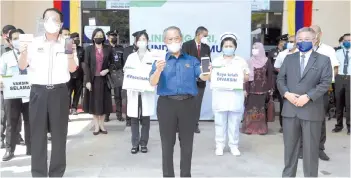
x=23 y=72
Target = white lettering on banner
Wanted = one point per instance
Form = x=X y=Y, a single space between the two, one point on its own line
x=226 y=78
x=137 y=79
x=16 y=86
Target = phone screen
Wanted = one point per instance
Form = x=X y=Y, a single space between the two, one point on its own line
x=205 y=64
x=68 y=46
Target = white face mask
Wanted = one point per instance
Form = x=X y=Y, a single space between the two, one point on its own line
x=289 y=46
x=204 y=40
x=255 y=52
x=141 y=45
x=51 y=26
x=174 y=47
x=15 y=44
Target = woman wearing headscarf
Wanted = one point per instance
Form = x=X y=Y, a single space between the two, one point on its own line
x=259 y=87
x=97 y=97
x=228 y=114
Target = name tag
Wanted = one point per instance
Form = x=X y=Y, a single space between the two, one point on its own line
x=40 y=50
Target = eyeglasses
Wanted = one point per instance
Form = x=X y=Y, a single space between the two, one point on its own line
x=291 y=41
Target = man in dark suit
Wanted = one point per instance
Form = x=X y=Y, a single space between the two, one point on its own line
x=126 y=52
x=303 y=79
x=198 y=47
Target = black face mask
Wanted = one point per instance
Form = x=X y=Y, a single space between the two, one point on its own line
x=77 y=42
x=98 y=40
x=114 y=40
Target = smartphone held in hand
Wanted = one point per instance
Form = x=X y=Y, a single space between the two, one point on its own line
x=68 y=46
x=205 y=65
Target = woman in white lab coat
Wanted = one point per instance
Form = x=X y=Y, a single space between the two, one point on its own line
x=228 y=105
x=140 y=105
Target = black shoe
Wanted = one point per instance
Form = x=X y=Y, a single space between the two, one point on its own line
x=134 y=150
x=8 y=156
x=143 y=149
x=2 y=144
x=281 y=130
x=96 y=133
x=119 y=118
x=103 y=131
x=28 y=152
x=128 y=123
x=20 y=141
x=323 y=156
x=197 y=130
x=348 y=132
x=107 y=119
x=337 y=129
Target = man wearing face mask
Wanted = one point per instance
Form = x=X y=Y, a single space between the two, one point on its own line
x=14 y=107
x=126 y=52
x=328 y=51
x=49 y=71
x=75 y=84
x=5 y=48
x=176 y=105
x=342 y=85
x=290 y=49
x=303 y=79
x=198 y=47
x=117 y=67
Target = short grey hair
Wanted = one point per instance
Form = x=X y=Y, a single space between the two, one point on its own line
x=306 y=29
x=171 y=28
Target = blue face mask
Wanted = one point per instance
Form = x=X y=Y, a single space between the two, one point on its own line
x=304 y=46
x=228 y=51
x=346 y=44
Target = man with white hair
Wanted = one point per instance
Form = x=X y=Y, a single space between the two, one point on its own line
x=328 y=51
x=303 y=79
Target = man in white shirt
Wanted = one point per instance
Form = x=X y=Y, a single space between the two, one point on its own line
x=328 y=51
x=49 y=70
x=342 y=85
x=14 y=107
x=291 y=48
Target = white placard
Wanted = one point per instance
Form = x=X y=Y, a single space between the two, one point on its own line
x=88 y=30
x=25 y=39
x=92 y=21
x=137 y=79
x=227 y=78
x=16 y=86
x=260 y=5
x=117 y=4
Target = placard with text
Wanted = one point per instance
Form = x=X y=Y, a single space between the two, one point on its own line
x=16 y=86
x=137 y=79
x=227 y=77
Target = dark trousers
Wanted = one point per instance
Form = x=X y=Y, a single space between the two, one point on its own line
x=48 y=105
x=342 y=96
x=295 y=130
x=323 y=136
x=172 y=113
x=198 y=99
x=281 y=102
x=76 y=86
x=118 y=101
x=3 y=120
x=14 y=108
x=137 y=138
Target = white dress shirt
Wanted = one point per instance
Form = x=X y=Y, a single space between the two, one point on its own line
x=229 y=100
x=307 y=57
x=281 y=56
x=48 y=63
x=340 y=54
x=330 y=52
